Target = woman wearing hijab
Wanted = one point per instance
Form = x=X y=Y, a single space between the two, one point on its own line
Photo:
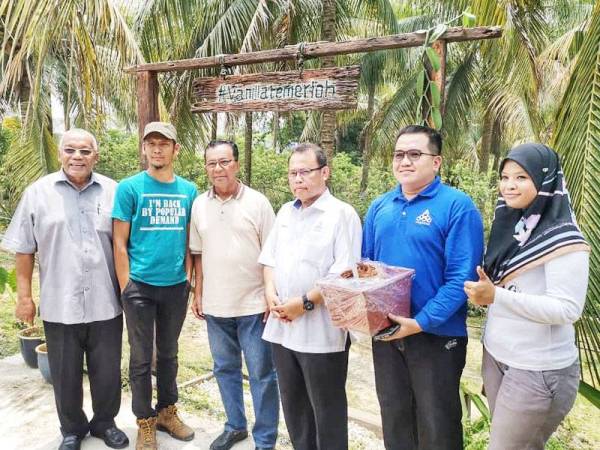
x=534 y=280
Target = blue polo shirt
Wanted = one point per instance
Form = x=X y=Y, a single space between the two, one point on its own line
x=439 y=233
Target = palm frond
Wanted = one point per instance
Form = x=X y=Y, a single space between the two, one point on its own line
x=577 y=139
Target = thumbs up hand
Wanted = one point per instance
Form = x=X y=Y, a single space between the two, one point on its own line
x=480 y=292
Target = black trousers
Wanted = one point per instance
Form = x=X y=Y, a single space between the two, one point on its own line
x=147 y=307
x=101 y=343
x=313 y=397
x=417 y=380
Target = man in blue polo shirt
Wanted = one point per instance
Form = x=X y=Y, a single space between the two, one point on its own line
x=436 y=230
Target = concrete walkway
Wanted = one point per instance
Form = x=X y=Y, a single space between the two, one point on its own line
x=28 y=419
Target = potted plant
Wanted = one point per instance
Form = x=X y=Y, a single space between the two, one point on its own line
x=42 y=360
x=29 y=339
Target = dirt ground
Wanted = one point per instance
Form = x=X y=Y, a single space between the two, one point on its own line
x=29 y=418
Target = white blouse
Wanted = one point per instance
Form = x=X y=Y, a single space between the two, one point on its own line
x=530 y=324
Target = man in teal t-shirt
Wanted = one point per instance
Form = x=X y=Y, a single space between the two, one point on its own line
x=151 y=220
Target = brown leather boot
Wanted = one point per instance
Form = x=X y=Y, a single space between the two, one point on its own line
x=146 y=437
x=169 y=421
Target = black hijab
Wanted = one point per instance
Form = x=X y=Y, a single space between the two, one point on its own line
x=521 y=239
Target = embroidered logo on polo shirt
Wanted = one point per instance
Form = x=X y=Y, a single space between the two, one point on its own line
x=424 y=218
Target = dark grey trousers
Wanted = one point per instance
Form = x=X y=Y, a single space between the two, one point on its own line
x=417 y=380
x=101 y=343
x=313 y=397
x=145 y=307
x=527 y=406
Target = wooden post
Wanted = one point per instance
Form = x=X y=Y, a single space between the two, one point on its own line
x=147 y=105
x=439 y=78
x=328 y=118
x=248 y=148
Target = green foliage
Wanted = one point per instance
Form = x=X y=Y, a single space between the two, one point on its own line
x=269 y=175
x=292 y=128
x=577 y=139
x=119 y=157
x=190 y=165
x=349 y=137
x=593 y=395
x=468 y=20
x=3 y=279
x=480 y=187
x=9 y=130
x=8 y=279
x=475 y=432
x=345 y=182
x=5 y=138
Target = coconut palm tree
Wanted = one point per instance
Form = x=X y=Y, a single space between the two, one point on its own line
x=176 y=29
x=75 y=51
x=577 y=137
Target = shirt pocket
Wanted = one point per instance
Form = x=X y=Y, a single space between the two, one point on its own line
x=103 y=219
x=317 y=248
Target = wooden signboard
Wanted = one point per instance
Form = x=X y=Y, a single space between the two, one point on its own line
x=320 y=89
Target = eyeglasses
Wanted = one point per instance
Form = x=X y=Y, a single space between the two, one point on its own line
x=302 y=172
x=82 y=151
x=222 y=162
x=413 y=155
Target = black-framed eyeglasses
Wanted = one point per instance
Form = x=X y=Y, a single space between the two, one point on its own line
x=82 y=151
x=413 y=155
x=221 y=162
x=302 y=172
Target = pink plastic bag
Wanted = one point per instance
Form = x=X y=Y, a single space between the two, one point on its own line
x=362 y=304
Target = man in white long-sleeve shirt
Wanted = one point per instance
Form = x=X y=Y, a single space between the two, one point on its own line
x=313 y=236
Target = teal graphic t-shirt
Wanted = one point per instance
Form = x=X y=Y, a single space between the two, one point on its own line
x=159 y=214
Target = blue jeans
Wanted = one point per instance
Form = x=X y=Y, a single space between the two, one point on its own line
x=228 y=337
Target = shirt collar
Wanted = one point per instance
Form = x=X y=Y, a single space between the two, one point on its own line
x=430 y=191
x=320 y=203
x=212 y=194
x=61 y=176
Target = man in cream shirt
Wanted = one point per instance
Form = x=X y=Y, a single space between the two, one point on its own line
x=229 y=227
x=313 y=236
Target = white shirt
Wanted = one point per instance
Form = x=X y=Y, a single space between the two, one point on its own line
x=230 y=234
x=307 y=244
x=530 y=324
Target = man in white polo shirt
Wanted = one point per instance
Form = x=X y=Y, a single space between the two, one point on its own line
x=229 y=227
x=314 y=235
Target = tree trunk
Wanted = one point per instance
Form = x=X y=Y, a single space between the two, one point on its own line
x=66 y=116
x=276 y=146
x=214 y=121
x=248 y=148
x=23 y=95
x=495 y=144
x=365 y=140
x=364 y=177
x=486 y=143
x=328 y=120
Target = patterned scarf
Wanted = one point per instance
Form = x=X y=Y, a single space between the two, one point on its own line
x=522 y=239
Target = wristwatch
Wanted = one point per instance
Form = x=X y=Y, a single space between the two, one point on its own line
x=307 y=304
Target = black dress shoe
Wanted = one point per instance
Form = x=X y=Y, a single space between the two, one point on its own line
x=113 y=438
x=70 y=442
x=227 y=438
